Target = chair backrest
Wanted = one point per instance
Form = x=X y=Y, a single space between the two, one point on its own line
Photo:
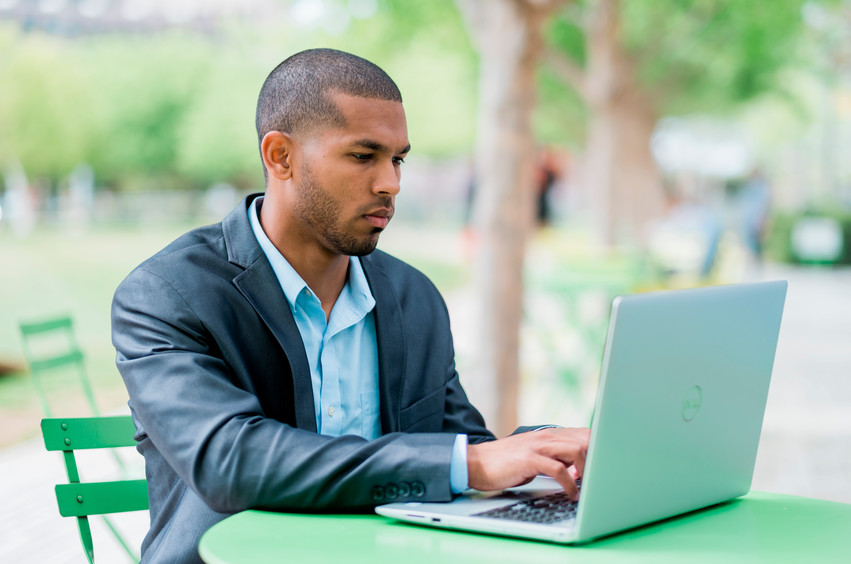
x=81 y=499
x=51 y=346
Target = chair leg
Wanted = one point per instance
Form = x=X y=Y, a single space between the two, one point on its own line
x=86 y=538
x=133 y=556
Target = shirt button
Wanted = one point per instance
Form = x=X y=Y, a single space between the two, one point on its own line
x=330 y=411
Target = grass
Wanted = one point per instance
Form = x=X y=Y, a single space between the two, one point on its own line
x=54 y=272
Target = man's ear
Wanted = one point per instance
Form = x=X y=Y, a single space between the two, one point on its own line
x=277 y=149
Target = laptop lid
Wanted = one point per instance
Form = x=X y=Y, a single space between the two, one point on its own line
x=679 y=411
x=683 y=388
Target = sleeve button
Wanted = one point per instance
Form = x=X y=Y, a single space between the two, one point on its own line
x=418 y=489
x=391 y=491
x=405 y=489
x=377 y=493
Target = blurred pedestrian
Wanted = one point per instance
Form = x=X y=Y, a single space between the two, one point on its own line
x=753 y=202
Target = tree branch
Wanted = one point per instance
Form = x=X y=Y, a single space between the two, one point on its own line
x=545 y=5
x=475 y=15
x=567 y=69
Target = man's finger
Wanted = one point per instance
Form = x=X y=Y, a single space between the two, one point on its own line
x=569 y=448
x=558 y=471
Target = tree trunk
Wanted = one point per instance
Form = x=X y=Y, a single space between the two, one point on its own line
x=508 y=37
x=620 y=176
x=618 y=172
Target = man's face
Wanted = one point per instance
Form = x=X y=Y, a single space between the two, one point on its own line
x=348 y=177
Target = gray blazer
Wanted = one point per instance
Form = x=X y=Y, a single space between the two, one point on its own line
x=221 y=395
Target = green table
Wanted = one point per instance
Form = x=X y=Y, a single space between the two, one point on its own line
x=759 y=527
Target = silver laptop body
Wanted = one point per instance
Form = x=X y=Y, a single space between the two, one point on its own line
x=677 y=419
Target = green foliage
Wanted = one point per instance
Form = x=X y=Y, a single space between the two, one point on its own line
x=698 y=55
x=176 y=109
x=42 y=113
x=142 y=90
x=711 y=54
x=118 y=103
x=559 y=116
x=218 y=139
x=564 y=32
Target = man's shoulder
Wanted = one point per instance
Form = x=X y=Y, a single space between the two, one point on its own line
x=220 y=245
x=201 y=250
x=207 y=241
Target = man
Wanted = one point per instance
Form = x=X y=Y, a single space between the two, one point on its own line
x=275 y=360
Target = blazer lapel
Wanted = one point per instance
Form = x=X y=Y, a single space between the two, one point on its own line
x=263 y=291
x=390 y=336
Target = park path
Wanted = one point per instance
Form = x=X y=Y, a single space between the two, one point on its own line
x=805 y=448
x=31 y=530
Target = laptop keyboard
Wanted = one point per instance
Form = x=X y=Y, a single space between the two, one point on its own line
x=546 y=510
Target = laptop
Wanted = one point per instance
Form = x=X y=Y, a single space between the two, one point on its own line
x=676 y=425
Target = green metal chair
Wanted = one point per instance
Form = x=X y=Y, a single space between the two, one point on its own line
x=51 y=347
x=81 y=499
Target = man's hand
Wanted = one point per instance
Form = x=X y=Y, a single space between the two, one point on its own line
x=517 y=459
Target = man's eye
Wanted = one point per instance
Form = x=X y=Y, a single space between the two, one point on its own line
x=398 y=160
x=362 y=156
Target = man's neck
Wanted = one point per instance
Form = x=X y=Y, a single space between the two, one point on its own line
x=323 y=271
x=325 y=278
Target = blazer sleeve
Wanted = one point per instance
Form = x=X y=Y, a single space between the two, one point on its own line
x=200 y=423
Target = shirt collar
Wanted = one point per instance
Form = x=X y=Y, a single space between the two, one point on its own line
x=356 y=296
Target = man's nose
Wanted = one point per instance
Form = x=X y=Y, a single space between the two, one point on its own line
x=387 y=181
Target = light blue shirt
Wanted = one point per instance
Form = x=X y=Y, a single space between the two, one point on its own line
x=342 y=353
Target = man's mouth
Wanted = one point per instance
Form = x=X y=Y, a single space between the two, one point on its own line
x=379 y=218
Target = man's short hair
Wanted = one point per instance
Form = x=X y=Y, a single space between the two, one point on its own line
x=296 y=96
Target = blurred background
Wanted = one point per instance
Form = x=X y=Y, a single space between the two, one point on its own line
x=576 y=149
